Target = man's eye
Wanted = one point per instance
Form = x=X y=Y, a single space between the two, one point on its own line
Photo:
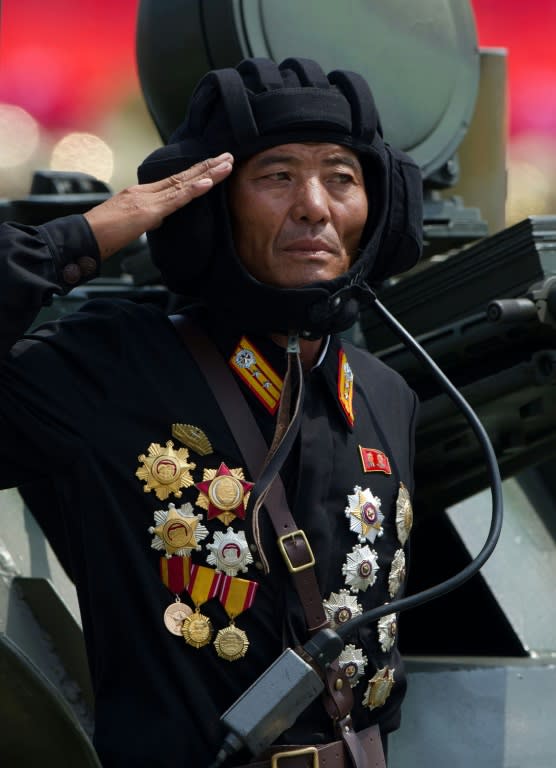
x=342 y=178
x=278 y=176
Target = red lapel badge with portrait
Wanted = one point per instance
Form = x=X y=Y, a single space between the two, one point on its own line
x=374 y=460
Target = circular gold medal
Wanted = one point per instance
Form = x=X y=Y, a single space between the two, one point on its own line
x=225 y=492
x=231 y=643
x=174 y=617
x=197 y=629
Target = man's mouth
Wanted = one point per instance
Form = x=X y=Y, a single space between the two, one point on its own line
x=310 y=246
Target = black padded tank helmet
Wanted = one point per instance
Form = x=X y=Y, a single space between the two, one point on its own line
x=245 y=111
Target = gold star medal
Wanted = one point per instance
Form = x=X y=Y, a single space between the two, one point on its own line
x=379 y=688
x=165 y=470
x=229 y=552
x=404 y=514
x=236 y=596
x=397 y=572
x=352 y=662
x=224 y=493
x=364 y=515
x=341 y=607
x=177 y=531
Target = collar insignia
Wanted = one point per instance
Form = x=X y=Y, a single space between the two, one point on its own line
x=374 y=460
x=257 y=374
x=345 y=387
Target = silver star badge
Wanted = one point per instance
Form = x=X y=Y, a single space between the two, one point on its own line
x=404 y=514
x=341 y=607
x=364 y=515
x=397 y=572
x=360 y=568
x=352 y=662
x=229 y=552
x=177 y=531
x=387 y=629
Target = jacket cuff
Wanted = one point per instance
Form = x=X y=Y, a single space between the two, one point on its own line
x=74 y=250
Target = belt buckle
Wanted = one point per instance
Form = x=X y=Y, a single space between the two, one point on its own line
x=296 y=753
x=291 y=567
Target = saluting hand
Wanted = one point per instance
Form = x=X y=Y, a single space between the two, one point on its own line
x=125 y=216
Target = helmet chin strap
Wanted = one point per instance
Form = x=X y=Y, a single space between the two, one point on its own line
x=338 y=311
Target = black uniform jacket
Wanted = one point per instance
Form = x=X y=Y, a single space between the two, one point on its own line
x=82 y=398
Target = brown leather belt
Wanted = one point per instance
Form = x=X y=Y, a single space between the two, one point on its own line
x=333 y=755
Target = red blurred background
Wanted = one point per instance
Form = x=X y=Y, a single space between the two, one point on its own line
x=84 y=52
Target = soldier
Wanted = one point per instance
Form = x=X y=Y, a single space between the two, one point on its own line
x=273 y=206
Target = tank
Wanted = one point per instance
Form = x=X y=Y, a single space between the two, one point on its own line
x=481 y=660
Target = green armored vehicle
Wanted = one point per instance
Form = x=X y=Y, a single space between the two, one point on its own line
x=481 y=660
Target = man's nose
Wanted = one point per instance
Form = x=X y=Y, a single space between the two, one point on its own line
x=311 y=202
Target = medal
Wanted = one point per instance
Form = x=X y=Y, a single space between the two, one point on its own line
x=165 y=470
x=404 y=514
x=397 y=572
x=204 y=584
x=229 y=552
x=387 y=629
x=175 y=615
x=352 y=662
x=360 y=568
x=231 y=643
x=224 y=493
x=196 y=629
x=192 y=437
x=364 y=515
x=178 y=531
x=236 y=596
x=341 y=607
x=379 y=688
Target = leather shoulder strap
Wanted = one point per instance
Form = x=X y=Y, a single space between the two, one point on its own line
x=292 y=541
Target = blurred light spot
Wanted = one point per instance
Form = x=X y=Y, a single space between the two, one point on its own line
x=19 y=136
x=83 y=152
x=529 y=190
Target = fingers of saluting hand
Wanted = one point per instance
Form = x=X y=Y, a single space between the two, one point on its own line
x=143 y=207
x=180 y=188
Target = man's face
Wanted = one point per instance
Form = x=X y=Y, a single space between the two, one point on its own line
x=298 y=212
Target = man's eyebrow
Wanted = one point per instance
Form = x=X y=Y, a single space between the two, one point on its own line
x=338 y=158
x=341 y=159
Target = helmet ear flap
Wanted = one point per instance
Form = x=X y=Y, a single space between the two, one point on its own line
x=402 y=238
